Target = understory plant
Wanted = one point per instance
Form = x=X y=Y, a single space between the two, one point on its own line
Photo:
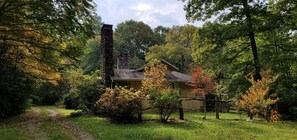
x=166 y=102
x=256 y=100
x=120 y=104
x=83 y=90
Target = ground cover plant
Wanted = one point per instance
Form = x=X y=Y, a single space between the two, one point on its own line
x=231 y=126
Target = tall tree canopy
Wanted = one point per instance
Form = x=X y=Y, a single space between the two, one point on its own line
x=248 y=36
x=135 y=38
x=246 y=17
x=35 y=34
x=177 y=48
x=36 y=37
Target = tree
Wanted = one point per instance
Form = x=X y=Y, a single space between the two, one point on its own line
x=135 y=38
x=177 y=50
x=163 y=98
x=160 y=34
x=246 y=16
x=90 y=62
x=154 y=77
x=224 y=46
x=36 y=37
x=255 y=100
x=202 y=84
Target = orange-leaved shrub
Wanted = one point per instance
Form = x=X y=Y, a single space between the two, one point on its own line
x=154 y=77
x=256 y=100
x=120 y=104
x=164 y=99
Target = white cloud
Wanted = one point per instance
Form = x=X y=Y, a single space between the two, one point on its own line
x=142 y=7
x=152 y=12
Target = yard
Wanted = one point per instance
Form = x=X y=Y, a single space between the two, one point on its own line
x=52 y=123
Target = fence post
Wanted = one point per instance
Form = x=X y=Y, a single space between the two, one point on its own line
x=217 y=108
x=181 y=113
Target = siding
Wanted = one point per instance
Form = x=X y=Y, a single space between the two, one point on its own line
x=185 y=91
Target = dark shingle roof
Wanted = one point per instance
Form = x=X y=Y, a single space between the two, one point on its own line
x=133 y=75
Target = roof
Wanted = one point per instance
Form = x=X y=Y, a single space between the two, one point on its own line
x=163 y=61
x=134 y=75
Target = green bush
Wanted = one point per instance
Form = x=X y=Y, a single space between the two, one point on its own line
x=120 y=104
x=166 y=101
x=46 y=95
x=90 y=90
x=72 y=101
x=83 y=92
x=15 y=89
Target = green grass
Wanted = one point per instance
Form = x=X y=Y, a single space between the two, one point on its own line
x=53 y=131
x=193 y=128
x=229 y=127
x=9 y=131
x=18 y=128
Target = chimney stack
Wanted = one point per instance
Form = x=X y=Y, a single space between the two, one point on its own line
x=123 y=62
x=107 y=54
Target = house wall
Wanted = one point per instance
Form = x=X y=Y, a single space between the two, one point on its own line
x=186 y=94
x=134 y=84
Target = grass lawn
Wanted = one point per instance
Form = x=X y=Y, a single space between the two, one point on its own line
x=230 y=126
x=192 y=128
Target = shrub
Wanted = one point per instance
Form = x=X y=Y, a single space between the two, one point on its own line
x=256 y=100
x=15 y=89
x=72 y=101
x=90 y=90
x=166 y=101
x=84 y=91
x=120 y=104
x=46 y=95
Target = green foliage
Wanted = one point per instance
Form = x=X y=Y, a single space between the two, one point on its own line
x=91 y=90
x=72 y=101
x=226 y=48
x=15 y=90
x=120 y=104
x=91 y=60
x=84 y=90
x=135 y=38
x=166 y=101
x=160 y=34
x=46 y=94
x=177 y=49
x=36 y=37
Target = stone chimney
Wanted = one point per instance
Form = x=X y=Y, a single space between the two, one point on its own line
x=107 y=54
x=123 y=62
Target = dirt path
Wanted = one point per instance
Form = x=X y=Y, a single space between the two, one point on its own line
x=72 y=129
x=32 y=122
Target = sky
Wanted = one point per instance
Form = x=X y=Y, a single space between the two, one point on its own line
x=152 y=12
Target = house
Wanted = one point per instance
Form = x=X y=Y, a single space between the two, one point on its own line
x=122 y=75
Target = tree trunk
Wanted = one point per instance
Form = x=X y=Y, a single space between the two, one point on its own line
x=217 y=108
x=181 y=113
x=250 y=116
x=139 y=117
x=257 y=75
x=204 y=107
